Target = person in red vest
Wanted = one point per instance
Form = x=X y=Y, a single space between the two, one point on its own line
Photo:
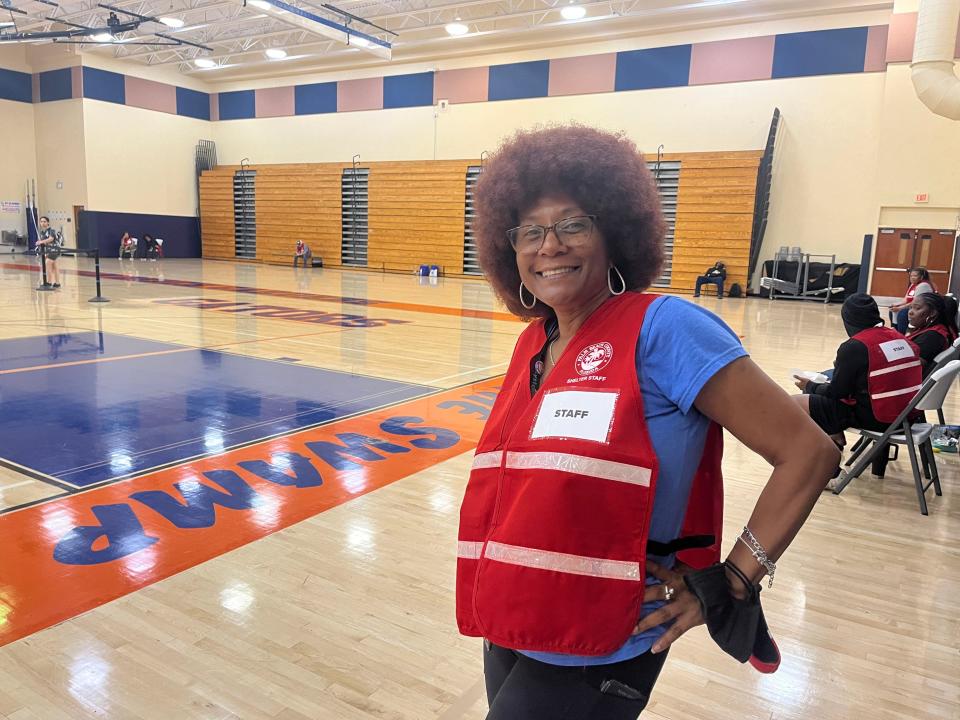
x=589 y=535
x=875 y=375
x=920 y=283
x=933 y=326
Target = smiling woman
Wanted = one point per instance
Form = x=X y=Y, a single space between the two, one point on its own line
x=590 y=529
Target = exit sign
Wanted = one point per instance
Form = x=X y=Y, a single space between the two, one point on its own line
x=921 y=197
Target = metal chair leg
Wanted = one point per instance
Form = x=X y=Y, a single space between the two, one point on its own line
x=859 y=446
x=940 y=416
x=928 y=446
x=862 y=463
x=915 y=466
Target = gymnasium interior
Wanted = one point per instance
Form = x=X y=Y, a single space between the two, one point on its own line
x=231 y=470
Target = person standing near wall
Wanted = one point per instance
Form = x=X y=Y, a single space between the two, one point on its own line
x=52 y=242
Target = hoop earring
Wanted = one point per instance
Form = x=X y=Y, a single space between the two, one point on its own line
x=531 y=305
x=623 y=283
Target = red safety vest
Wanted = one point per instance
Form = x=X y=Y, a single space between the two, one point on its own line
x=554 y=522
x=895 y=371
x=938 y=328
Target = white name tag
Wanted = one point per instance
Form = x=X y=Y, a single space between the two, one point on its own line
x=575 y=414
x=896 y=350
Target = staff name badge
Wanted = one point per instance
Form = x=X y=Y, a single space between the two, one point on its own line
x=575 y=414
x=896 y=350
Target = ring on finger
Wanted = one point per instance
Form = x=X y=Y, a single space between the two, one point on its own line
x=668 y=593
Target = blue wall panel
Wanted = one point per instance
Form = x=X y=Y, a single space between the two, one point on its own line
x=238 y=105
x=56 y=85
x=408 y=90
x=315 y=98
x=653 y=68
x=519 y=80
x=104 y=85
x=821 y=52
x=102 y=230
x=16 y=86
x=192 y=103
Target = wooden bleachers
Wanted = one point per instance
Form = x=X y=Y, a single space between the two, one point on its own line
x=416 y=213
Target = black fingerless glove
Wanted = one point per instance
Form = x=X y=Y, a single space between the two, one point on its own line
x=736 y=625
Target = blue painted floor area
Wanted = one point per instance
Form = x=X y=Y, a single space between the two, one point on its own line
x=89 y=422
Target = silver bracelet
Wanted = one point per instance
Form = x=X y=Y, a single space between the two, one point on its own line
x=759 y=553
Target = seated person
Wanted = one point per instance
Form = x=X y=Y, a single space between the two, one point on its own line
x=920 y=282
x=128 y=246
x=153 y=246
x=858 y=396
x=715 y=275
x=303 y=253
x=933 y=326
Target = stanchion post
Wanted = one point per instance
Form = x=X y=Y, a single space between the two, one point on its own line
x=44 y=286
x=96 y=267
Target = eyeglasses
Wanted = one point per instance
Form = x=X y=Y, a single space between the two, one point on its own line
x=571 y=231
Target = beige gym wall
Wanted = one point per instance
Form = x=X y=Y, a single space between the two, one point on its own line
x=17 y=144
x=140 y=161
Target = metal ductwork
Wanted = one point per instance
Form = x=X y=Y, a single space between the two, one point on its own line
x=936 y=84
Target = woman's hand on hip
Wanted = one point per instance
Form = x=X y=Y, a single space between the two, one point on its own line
x=681 y=612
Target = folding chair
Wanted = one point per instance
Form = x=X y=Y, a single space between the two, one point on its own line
x=951 y=353
x=916 y=436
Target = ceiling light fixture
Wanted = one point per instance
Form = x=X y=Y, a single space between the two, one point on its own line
x=359 y=41
x=7 y=23
x=573 y=12
x=205 y=63
x=262 y=4
x=172 y=22
x=102 y=37
x=456 y=28
x=276 y=53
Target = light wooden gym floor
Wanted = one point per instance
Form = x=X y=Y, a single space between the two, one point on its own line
x=349 y=614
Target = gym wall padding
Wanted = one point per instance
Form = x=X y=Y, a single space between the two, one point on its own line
x=416 y=213
x=15 y=85
x=56 y=85
x=104 y=85
x=181 y=236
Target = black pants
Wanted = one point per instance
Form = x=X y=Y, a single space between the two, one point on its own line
x=703 y=280
x=520 y=688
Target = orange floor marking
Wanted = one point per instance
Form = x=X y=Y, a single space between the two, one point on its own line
x=72 y=554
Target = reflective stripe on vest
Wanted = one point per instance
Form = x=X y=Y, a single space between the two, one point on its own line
x=894 y=371
x=565 y=462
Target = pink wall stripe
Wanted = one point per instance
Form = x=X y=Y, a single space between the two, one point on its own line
x=35 y=85
x=76 y=78
x=732 y=60
x=462 y=86
x=150 y=95
x=583 y=75
x=274 y=102
x=214 y=106
x=876 y=56
x=365 y=94
x=903 y=28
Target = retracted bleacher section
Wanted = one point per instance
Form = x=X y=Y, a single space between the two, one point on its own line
x=417 y=212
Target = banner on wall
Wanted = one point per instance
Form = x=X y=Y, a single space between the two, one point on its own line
x=10 y=206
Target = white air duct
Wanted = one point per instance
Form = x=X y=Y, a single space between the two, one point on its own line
x=932 y=68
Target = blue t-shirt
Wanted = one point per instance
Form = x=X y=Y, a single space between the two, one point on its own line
x=681 y=347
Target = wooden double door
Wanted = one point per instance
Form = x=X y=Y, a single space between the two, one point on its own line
x=899 y=249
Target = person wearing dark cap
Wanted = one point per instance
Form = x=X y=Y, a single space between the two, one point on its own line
x=876 y=373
